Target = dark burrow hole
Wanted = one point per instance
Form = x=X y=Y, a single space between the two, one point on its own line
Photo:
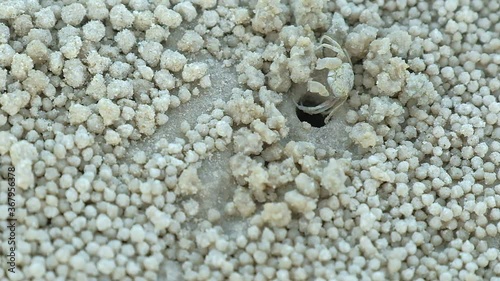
x=315 y=120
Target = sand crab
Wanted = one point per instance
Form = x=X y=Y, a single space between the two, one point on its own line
x=340 y=79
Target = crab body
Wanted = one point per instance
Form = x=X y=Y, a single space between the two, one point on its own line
x=339 y=80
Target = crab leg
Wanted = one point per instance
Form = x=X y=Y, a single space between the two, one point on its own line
x=340 y=52
x=331 y=48
x=338 y=102
x=326 y=37
x=337 y=46
x=320 y=108
x=331 y=41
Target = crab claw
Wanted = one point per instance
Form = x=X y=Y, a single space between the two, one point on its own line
x=328 y=63
x=317 y=88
